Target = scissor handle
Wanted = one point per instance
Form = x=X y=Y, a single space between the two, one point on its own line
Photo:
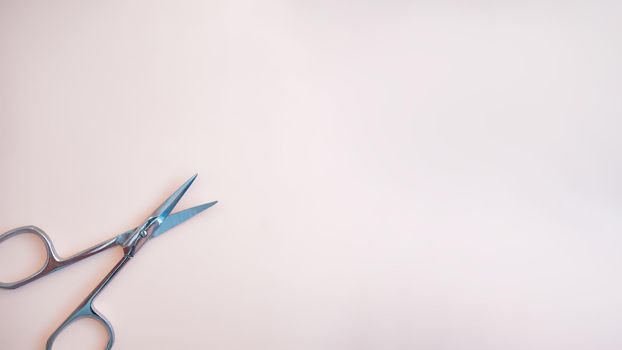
x=85 y=309
x=52 y=261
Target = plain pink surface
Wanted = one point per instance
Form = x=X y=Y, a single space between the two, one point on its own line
x=391 y=174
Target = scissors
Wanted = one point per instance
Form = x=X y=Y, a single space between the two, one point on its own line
x=160 y=221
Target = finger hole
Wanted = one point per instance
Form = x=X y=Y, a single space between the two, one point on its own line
x=85 y=333
x=21 y=256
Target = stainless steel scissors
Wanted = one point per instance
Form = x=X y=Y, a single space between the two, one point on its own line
x=160 y=221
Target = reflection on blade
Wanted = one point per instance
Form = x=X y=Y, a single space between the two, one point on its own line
x=165 y=208
x=179 y=217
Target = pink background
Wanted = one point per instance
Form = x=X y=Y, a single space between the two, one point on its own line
x=392 y=174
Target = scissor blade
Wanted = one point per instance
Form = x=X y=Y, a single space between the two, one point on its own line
x=167 y=206
x=180 y=217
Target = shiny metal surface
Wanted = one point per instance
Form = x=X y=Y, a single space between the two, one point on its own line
x=159 y=222
x=53 y=261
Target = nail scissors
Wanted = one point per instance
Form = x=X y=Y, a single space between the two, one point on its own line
x=160 y=221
